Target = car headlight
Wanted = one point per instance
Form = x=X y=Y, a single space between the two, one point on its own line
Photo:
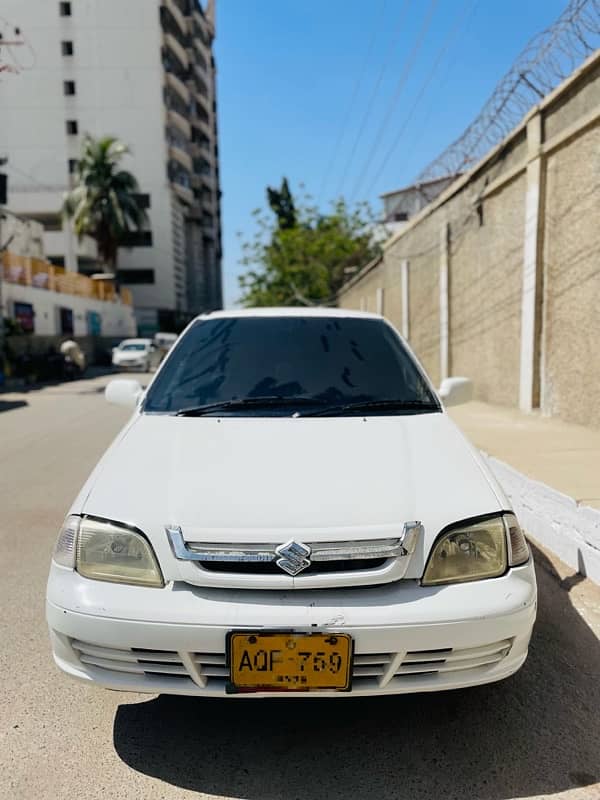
x=105 y=551
x=476 y=550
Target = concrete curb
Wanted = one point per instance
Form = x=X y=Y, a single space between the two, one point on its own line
x=556 y=521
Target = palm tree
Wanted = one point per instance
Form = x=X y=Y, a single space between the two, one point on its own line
x=104 y=202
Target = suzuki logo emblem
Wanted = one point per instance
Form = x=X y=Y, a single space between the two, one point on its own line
x=293 y=557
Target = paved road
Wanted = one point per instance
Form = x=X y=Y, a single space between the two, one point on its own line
x=535 y=735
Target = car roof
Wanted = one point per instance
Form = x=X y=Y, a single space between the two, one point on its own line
x=136 y=341
x=294 y=311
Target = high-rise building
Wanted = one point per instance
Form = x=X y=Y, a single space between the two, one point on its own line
x=143 y=71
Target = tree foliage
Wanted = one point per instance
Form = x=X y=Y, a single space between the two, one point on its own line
x=282 y=205
x=104 y=203
x=300 y=256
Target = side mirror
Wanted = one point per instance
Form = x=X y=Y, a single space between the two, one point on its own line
x=124 y=392
x=455 y=391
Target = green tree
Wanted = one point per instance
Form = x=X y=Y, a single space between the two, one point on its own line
x=104 y=203
x=282 y=205
x=302 y=256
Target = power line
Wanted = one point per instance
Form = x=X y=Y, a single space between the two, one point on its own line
x=398 y=91
x=420 y=94
x=355 y=93
x=399 y=30
x=440 y=85
x=30 y=177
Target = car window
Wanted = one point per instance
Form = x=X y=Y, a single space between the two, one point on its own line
x=133 y=347
x=328 y=360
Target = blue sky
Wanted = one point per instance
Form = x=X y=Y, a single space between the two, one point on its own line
x=289 y=69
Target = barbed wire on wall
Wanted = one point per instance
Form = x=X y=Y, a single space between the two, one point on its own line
x=548 y=59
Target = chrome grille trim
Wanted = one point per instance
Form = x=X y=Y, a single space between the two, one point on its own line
x=359 y=549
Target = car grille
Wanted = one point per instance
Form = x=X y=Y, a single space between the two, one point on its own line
x=241 y=565
x=271 y=568
x=371 y=671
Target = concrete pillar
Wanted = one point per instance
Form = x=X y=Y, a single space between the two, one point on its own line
x=532 y=271
x=405 y=299
x=379 y=300
x=444 y=304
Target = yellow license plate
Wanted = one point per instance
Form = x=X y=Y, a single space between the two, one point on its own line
x=284 y=662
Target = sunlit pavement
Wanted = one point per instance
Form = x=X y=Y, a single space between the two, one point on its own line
x=534 y=735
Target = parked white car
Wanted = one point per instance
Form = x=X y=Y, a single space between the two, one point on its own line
x=135 y=354
x=290 y=509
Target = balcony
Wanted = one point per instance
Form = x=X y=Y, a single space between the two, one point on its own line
x=42 y=274
x=201 y=26
x=177 y=153
x=200 y=99
x=180 y=180
x=198 y=82
x=175 y=118
x=199 y=53
x=183 y=192
x=176 y=14
x=202 y=125
x=195 y=212
x=178 y=86
x=177 y=49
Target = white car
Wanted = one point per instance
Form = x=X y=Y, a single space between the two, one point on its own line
x=135 y=354
x=290 y=510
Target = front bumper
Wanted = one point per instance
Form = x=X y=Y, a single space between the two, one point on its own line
x=407 y=638
x=125 y=365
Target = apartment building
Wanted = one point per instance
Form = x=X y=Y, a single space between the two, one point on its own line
x=143 y=71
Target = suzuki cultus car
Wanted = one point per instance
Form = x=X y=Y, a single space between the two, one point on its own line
x=290 y=511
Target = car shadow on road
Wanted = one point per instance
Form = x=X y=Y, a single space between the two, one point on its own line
x=10 y=405
x=536 y=733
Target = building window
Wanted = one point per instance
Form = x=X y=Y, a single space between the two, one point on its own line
x=65 y=316
x=24 y=314
x=136 y=276
x=69 y=87
x=400 y=216
x=64 y=9
x=72 y=166
x=67 y=48
x=72 y=127
x=143 y=200
x=136 y=239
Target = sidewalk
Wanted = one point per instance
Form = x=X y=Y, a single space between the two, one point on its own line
x=550 y=470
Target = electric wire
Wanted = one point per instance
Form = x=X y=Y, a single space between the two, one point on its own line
x=353 y=98
x=404 y=75
x=446 y=44
x=374 y=92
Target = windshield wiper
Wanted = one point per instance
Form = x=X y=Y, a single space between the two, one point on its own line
x=373 y=405
x=245 y=402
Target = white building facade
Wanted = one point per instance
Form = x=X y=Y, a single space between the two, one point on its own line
x=45 y=300
x=142 y=71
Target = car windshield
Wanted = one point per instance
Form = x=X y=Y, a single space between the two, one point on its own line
x=314 y=363
x=138 y=346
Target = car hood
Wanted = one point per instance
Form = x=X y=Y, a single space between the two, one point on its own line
x=249 y=479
